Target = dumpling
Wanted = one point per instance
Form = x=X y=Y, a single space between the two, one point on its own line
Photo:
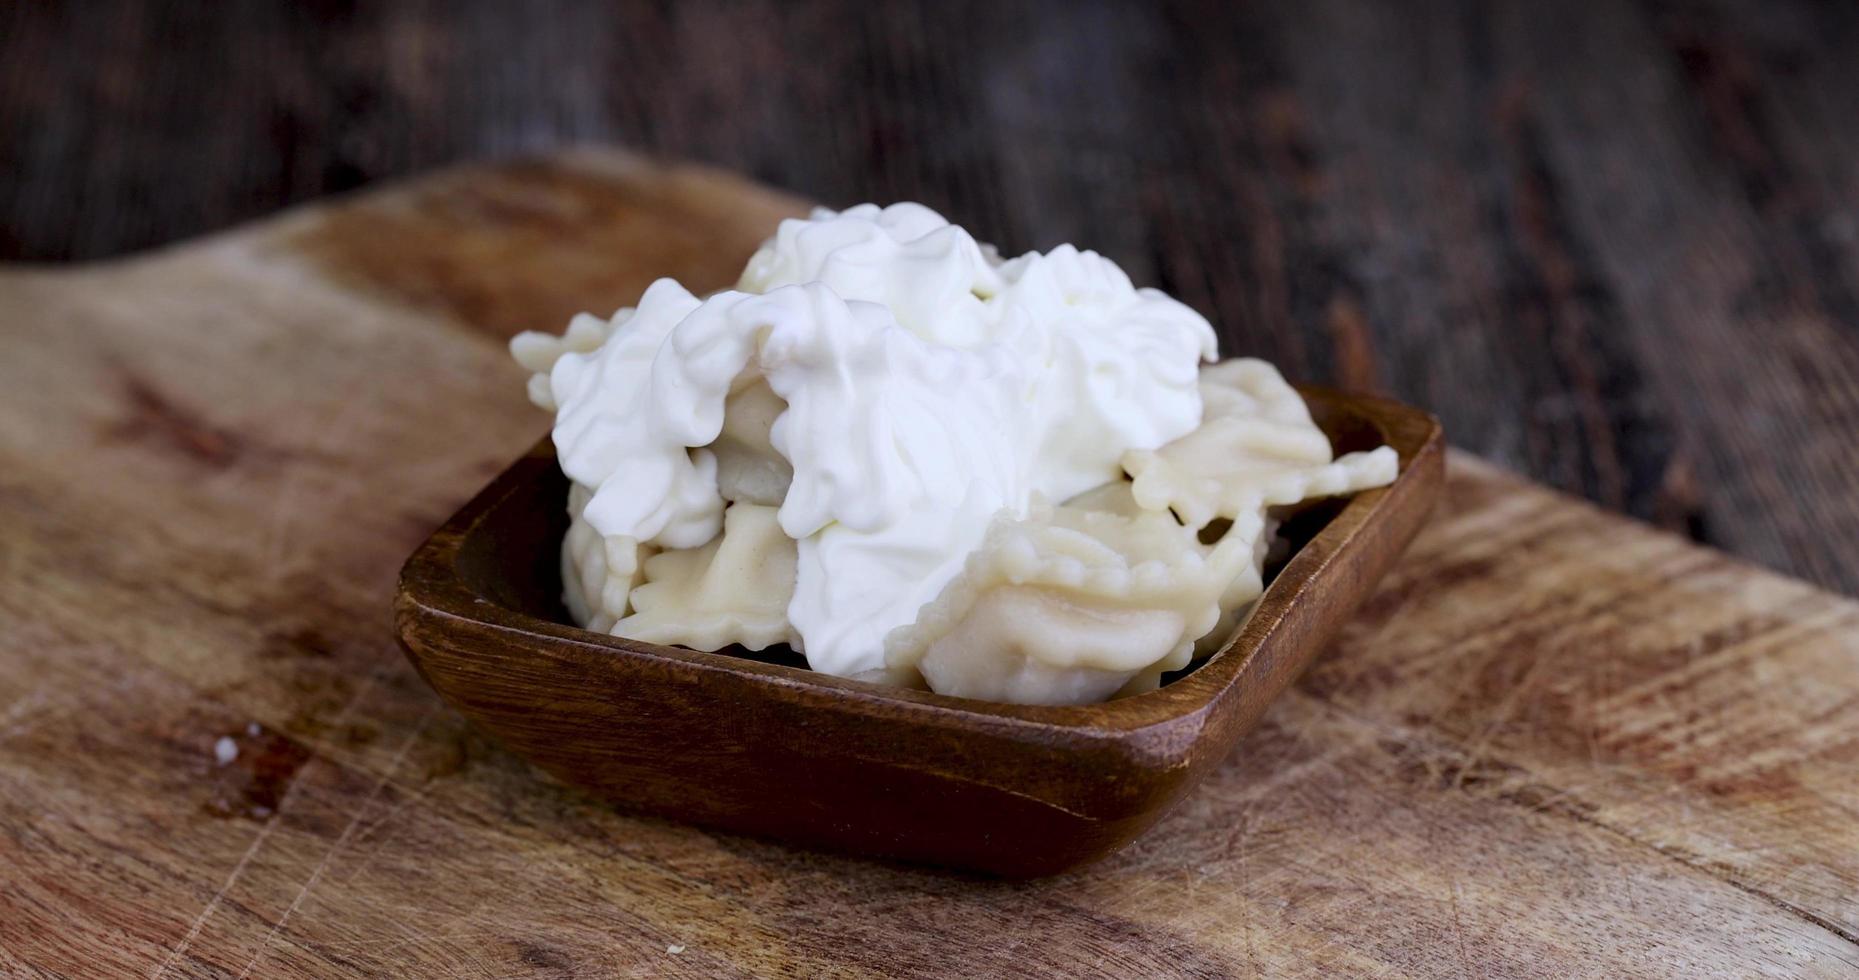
x=1070 y=605
x=1256 y=447
x=538 y=351
x=734 y=590
x=1240 y=595
x=1111 y=498
x=598 y=574
x=1246 y=387
x=999 y=650
x=748 y=469
x=1236 y=600
x=1094 y=598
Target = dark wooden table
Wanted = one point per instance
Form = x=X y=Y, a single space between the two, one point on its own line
x=1615 y=246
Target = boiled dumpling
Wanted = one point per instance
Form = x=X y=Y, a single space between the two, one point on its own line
x=734 y=590
x=1114 y=497
x=538 y=351
x=1240 y=595
x=1069 y=605
x=598 y=574
x=748 y=470
x=1076 y=603
x=1256 y=447
x=1003 y=648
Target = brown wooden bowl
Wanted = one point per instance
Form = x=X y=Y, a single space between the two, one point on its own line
x=775 y=750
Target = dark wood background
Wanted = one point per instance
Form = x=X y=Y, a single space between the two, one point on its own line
x=1614 y=245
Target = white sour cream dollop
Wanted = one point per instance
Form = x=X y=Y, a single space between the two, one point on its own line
x=928 y=386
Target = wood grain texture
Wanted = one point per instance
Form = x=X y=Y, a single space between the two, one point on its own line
x=1556 y=743
x=1614 y=246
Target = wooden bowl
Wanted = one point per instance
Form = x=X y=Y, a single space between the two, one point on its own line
x=774 y=750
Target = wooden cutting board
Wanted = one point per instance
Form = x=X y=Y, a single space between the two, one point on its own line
x=1557 y=743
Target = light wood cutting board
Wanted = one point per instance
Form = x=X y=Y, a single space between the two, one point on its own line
x=1557 y=743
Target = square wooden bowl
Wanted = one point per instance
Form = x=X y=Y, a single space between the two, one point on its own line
x=771 y=749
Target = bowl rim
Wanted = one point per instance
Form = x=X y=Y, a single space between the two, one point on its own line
x=431 y=586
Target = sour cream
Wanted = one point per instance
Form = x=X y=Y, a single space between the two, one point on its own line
x=928 y=386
